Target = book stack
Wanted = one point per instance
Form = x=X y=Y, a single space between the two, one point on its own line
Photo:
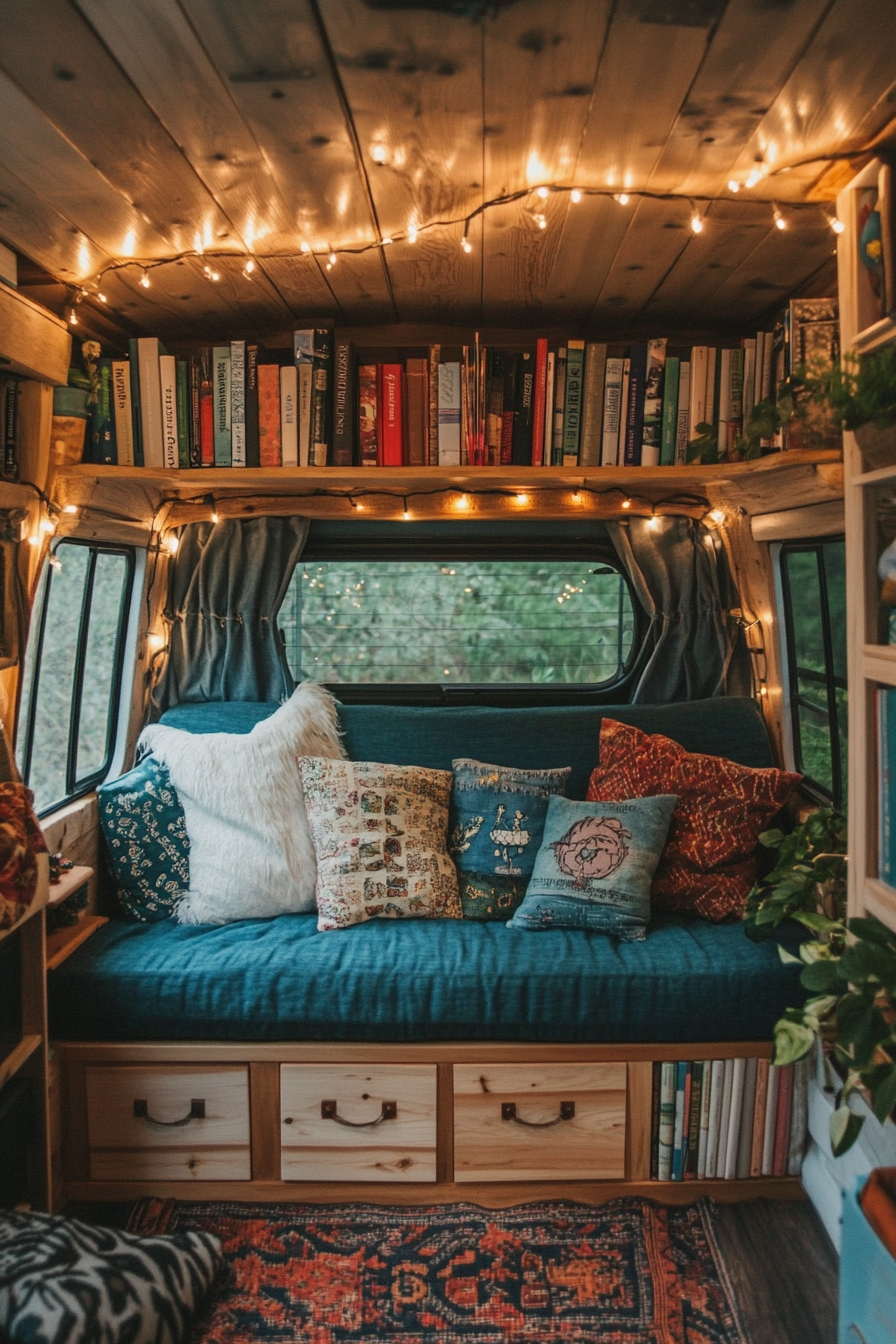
x=727 y=1119
x=581 y=404
x=233 y=405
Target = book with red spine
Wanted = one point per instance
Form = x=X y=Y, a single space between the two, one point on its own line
x=417 y=411
x=206 y=410
x=432 y=449
x=367 y=416
x=759 y=1117
x=539 y=395
x=781 y=1150
x=389 y=417
x=269 y=415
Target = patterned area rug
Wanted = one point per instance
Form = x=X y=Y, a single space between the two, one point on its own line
x=627 y=1272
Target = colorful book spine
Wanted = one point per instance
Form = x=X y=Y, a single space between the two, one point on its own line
x=539 y=401
x=148 y=353
x=432 y=448
x=549 y=408
x=669 y=429
x=771 y=1116
x=652 y=419
x=206 y=410
x=635 y=404
x=712 y=387
x=183 y=413
x=168 y=388
x=252 y=457
x=623 y=410
x=238 y=403
x=781 y=1149
x=717 y=1086
x=221 y=395
x=724 y=401
x=735 y=402
x=559 y=408
x=667 y=1120
x=319 y=448
x=885 y=704
x=449 y=414
x=749 y=379
x=738 y=1071
x=195 y=411
x=305 y=378
x=745 y=1140
x=136 y=407
x=697 y=413
x=572 y=411
x=799 y=1117
x=9 y=387
x=759 y=1117
x=609 y=452
x=694 y=1103
x=705 y=1105
x=523 y=410
x=289 y=415
x=679 y=1140
x=389 y=414
x=593 y=404
x=684 y=413
x=417 y=430
x=725 y=1117
x=121 y=400
x=343 y=402
x=655 y=1120
x=269 y=415
x=367 y=426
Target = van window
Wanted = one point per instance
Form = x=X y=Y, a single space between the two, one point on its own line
x=467 y=621
x=813 y=587
x=72 y=671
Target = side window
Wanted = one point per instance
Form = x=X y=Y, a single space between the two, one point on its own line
x=72 y=671
x=813 y=588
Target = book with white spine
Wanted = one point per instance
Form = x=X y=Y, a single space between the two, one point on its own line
x=725 y=1118
x=549 y=409
x=684 y=412
x=705 y=1105
x=305 y=373
x=121 y=400
x=149 y=351
x=715 y=1117
x=732 y=1145
x=168 y=394
x=609 y=453
x=667 y=1121
x=237 y=403
x=771 y=1115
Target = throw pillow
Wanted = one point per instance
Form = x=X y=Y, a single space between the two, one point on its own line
x=708 y=866
x=146 y=840
x=594 y=866
x=497 y=820
x=379 y=834
x=64 y=1282
x=251 y=855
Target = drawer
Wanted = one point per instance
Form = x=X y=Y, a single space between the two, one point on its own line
x=169 y=1122
x=539 y=1122
x=340 y=1123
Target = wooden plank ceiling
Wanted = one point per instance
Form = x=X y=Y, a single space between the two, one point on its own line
x=157 y=128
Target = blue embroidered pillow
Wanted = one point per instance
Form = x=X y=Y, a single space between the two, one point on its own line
x=595 y=864
x=495 y=827
x=68 y=1282
x=146 y=840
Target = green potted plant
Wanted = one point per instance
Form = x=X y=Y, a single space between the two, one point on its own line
x=849 y=968
x=861 y=392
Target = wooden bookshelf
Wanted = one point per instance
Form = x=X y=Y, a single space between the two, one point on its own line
x=62 y=944
x=870 y=664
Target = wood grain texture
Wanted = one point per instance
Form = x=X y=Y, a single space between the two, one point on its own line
x=264 y=1116
x=638 y=1120
x=33 y=342
x=171 y=1164
x=62 y=943
x=168 y=1092
x=386 y=1162
x=590 y=1145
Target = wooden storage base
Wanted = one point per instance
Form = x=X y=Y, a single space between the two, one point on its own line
x=533 y=1064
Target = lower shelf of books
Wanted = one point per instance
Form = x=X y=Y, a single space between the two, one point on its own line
x=727 y=1119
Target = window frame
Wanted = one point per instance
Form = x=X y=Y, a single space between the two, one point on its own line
x=794 y=702
x=402 y=545
x=75 y=788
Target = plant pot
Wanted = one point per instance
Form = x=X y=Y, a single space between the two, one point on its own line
x=878 y=446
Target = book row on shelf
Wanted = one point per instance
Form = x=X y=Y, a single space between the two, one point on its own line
x=728 y=1119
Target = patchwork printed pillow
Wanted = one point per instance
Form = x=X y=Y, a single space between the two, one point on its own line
x=708 y=866
x=495 y=829
x=66 y=1282
x=145 y=834
x=594 y=867
x=379 y=834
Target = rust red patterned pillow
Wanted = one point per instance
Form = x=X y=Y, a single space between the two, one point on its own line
x=708 y=865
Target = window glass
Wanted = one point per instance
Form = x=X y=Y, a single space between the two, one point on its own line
x=458 y=622
x=71 y=671
x=813 y=580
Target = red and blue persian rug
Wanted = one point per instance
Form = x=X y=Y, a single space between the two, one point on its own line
x=627 y=1272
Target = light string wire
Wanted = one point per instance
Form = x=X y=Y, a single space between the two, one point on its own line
x=411 y=235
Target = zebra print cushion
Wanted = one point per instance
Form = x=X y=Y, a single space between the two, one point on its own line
x=66 y=1282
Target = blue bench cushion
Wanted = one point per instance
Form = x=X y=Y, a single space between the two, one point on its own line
x=418 y=980
x=533 y=739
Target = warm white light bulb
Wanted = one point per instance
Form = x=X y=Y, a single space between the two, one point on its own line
x=542 y=192
x=780 y=221
x=102 y=298
x=576 y=497
x=35 y=540
x=718 y=516
x=463 y=502
x=466 y=244
x=70 y=508
x=47 y=525
x=626 y=503
x=214 y=516
x=696 y=223
x=73 y=318
x=249 y=267
x=387 y=242
x=734 y=186
x=653 y=522
x=522 y=498
x=332 y=258
x=171 y=544
x=575 y=196
x=412 y=233
x=754 y=177
x=144 y=280
x=837 y=225
x=155 y=641
x=622 y=197
x=379 y=153
x=306 y=247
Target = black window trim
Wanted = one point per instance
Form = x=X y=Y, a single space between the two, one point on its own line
x=74 y=787
x=494 y=694
x=831 y=682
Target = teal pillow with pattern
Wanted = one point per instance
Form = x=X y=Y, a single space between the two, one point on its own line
x=494 y=831
x=146 y=840
x=595 y=865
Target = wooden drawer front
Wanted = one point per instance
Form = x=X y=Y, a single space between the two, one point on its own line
x=132 y=1116
x=315 y=1147
x=588 y=1146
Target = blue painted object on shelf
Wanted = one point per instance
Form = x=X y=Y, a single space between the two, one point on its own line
x=867 y=1280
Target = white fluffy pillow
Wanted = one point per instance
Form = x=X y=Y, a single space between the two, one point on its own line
x=251 y=855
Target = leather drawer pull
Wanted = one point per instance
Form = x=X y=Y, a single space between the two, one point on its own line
x=389 y=1112
x=196 y=1112
x=508 y=1112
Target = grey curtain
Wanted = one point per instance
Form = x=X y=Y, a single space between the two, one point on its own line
x=694 y=648
x=226 y=585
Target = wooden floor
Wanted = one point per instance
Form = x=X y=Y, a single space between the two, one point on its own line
x=780 y=1260
x=784 y=1270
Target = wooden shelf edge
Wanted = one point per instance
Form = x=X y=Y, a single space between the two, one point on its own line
x=69 y=882
x=880 y=900
x=881 y=476
x=61 y=945
x=879 y=663
x=26 y=1047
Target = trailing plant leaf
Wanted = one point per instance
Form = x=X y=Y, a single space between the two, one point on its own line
x=884 y=1092
x=860 y=389
x=705 y=447
x=821 y=977
x=808 y=879
x=764 y=422
x=845 y=1128
x=793 y=1040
